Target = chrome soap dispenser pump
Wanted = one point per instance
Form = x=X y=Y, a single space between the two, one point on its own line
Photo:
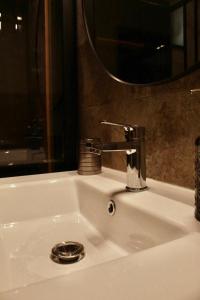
x=197 y=179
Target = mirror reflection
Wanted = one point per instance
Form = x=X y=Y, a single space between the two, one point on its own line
x=145 y=41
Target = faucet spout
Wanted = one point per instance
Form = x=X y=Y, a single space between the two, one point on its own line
x=134 y=146
x=136 y=169
x=119 y=146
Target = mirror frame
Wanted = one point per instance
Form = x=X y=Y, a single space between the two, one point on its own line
x=168 y=80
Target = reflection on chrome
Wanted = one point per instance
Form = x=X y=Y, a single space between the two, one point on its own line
x=12 y=186
x=8 y=226
x=53 y=181
x=57 y=218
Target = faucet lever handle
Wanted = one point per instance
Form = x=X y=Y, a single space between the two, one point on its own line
x=131 y=132
x=193 y=91
x=125 y=126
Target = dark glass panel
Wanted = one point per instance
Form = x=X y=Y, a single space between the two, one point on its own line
x=34 y=105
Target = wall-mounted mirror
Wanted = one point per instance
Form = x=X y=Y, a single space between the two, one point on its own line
x=145 y=41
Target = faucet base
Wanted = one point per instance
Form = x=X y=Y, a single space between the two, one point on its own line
x=136 y=190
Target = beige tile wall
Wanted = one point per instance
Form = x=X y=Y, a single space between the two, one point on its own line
x=170 y=114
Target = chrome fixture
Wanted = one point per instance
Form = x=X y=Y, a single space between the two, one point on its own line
x=134 y=146
x=67 y=252
x=194 y=91
x=89 y=161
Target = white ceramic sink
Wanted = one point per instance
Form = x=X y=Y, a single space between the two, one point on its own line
x=36 y=212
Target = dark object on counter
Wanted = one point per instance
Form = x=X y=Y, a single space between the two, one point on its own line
x=89 y=157
x=197 y=178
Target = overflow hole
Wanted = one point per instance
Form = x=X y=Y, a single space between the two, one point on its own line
x=111 y=208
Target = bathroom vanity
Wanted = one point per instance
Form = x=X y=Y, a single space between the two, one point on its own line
x=148 y=247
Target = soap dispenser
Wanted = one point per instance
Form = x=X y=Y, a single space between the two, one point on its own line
x=197 y=170
x=197 y=179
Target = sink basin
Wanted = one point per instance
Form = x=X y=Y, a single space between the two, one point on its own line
x=133 y=227
x=40 y=211
x=26 y=248
x=36 y=215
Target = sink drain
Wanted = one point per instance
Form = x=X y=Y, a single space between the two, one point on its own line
x=67 y=252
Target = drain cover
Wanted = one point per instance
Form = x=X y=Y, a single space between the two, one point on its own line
x=67 y=252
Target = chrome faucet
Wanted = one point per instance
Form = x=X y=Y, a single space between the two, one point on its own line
x=194 y=91
x=134 y=146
